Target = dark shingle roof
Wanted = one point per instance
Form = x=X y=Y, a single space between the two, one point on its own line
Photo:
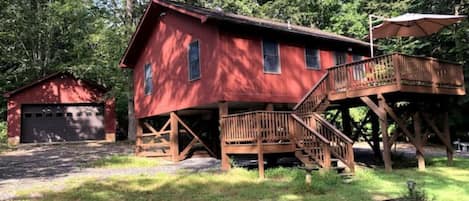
x=205 y=14
x=265 y=23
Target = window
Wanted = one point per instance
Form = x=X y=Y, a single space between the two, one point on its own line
x=356 y=57
x=194 y=60
x=148 y=85
x=271 y=56
x=340 y=58
x=312 y=58
x=359 y=72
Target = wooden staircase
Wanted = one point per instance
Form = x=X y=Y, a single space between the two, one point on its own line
x=332 y=142
x=315 y=142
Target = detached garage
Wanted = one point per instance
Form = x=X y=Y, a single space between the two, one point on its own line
x=60 y=108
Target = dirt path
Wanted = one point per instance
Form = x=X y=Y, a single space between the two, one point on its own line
x=50 y=166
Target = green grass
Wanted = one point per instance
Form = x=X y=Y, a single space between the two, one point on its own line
x=124 y=161
x=4 y=148
x=283 y=184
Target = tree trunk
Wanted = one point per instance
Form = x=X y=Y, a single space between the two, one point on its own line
x=131 y=133
x=131 y=112
x=128 y=11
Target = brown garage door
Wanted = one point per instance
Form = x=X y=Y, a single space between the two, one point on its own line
x=57 y=123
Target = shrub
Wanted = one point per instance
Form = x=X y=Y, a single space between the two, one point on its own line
x=416 y=193
x=3 y=133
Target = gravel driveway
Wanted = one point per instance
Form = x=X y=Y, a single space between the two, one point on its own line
x=30 y=166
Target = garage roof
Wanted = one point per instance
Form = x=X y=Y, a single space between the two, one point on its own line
x=51 y=76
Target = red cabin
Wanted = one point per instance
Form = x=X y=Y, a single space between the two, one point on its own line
x=202 y=67
x=230 y=64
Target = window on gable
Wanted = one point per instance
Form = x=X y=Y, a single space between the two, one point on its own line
x=271 y=56
x=148 y=85
x=194 y=60
x=312 y=58
x=340 y=58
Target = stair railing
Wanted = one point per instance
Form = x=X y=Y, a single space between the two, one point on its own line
x=311 y=142
x=313 y=99
x=340 y=144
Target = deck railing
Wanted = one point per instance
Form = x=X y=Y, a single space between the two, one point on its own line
x=424 y=71
x=397 y=69
x=273 y=127
x=247 y=128
x=311 y=142
x=312 y=100
x=341 y=145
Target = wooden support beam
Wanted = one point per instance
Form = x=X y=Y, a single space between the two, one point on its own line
x=225 y=160
x=393 y=139
x=384 y=132
x=156 y=133
x=334 y=118
x=418 y=141
x=359 y=126
x=401 y=125
x=194 y=135
x=449 y=149
x=174 y=137
x=346 y=120
x=139 y=138
x=378 y=120
x=186 y=150
x=375 y=137
x=379 y=111
x=440 y=134
x=260 y=153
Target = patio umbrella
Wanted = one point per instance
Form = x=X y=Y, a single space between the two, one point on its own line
x=411 y=24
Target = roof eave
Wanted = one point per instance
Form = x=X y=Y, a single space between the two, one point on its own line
x=124 y=60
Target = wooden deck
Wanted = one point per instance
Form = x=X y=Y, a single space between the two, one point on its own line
x=312 y=138
x=395 y=73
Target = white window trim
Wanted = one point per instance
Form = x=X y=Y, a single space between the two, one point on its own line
x=189 y=62
x=318 y=52
x=279 y=59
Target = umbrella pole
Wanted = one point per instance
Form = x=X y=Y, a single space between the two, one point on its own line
x=370 y=27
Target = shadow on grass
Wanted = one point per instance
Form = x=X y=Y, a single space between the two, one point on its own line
x=283 y=184
x=439 y=181
x=123 y=161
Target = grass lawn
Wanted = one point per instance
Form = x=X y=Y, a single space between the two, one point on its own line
x=441 y=182
x=4 y=148
x=124 y=161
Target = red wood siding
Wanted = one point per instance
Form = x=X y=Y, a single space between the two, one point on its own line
x=242 y=64
x=61 y=89
x=231 y=68
x=167 y=52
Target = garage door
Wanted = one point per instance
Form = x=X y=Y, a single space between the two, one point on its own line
x=58 y=123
